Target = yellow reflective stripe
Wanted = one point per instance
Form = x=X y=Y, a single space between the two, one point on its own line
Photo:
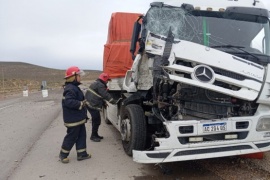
x=64 y=151
x=75 y=124
x=92 y=91
x=96 y=108
x=81 y=150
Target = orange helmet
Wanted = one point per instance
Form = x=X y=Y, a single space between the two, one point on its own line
x=104 y=77
x=72 y=71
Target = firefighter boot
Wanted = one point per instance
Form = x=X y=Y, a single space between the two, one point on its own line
x=94 y=137
x=100 y=137
x=64 y=160
x=83 y=157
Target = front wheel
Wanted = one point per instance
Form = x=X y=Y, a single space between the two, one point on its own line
x=133 y=128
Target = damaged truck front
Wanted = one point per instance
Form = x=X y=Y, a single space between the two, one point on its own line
x=199 y=85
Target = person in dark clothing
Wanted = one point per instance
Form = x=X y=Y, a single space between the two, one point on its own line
x=74 y=115
x=96 y=97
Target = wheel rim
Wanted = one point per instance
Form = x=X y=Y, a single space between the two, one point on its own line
x=125 y=129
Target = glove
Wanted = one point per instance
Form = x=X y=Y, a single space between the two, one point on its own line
x=83 y=104
x=105 y=105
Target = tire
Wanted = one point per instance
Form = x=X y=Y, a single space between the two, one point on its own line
x=133 y=128
x=105 y=117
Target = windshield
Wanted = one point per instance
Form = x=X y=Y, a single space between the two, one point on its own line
x=214 y=29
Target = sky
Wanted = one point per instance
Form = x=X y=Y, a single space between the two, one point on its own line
x=60 y=33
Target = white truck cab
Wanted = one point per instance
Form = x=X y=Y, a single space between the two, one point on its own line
x=199 y=86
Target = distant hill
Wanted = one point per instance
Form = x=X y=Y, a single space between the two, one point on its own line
x=14 y=76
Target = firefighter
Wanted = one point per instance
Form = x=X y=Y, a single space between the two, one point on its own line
x=74 y=115
x=96 y=97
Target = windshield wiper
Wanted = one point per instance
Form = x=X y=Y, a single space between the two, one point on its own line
x=237 y=47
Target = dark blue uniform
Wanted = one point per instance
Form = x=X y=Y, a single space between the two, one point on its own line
x=96 y=96
x=75 y=117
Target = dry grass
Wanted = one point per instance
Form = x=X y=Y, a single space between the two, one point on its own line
x=15 y=76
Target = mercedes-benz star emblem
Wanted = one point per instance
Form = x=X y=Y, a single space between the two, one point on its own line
x=203 y=74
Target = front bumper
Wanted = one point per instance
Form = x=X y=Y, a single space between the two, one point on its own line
x=173 y=155
x=174 y=148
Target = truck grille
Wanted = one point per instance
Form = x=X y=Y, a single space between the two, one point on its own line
x=215 y=137
x=242 y=125
x=219 y=80
x=228 y=74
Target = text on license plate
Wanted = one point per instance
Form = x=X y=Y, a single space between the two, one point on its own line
x=215 y=127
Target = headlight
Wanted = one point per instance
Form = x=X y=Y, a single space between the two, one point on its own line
x=263 y=124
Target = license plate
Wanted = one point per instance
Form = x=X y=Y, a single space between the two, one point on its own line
x=215 y=127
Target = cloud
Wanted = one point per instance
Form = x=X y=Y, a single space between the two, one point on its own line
x=58 y=33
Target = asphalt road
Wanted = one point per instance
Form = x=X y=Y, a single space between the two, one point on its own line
x=32 y=130
x=22 y=122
